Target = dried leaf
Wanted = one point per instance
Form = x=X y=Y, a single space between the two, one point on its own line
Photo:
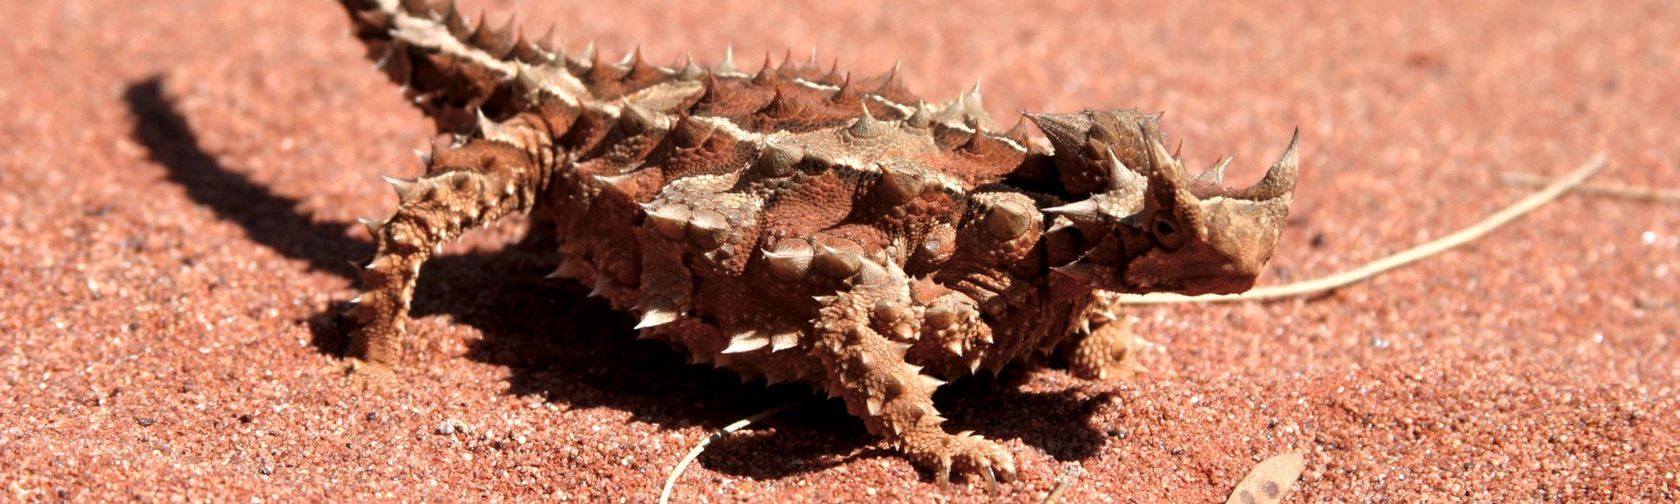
x=1269 y=481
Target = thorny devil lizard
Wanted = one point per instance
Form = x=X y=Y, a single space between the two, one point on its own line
x=795 y=224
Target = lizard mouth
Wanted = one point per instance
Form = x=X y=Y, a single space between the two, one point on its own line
x=1215 y=284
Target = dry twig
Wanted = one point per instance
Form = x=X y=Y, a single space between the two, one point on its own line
x=694 y=453
x=1638 y=193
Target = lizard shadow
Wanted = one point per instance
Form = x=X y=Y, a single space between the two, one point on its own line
x=996 y=408
x=568 y=348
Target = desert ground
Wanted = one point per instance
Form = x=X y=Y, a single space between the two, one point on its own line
x=179 y=182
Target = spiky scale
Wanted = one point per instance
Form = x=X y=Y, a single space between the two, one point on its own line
x=407 y=190
x=603 y=285
x=784 y=340
x=836 y=263
x=889 y=83
x=634 y=120
x=547 y=42
x=690 y=71
x=1211 y=180
x=708 y=229
x=670 y=220
x=690 y=133
x=900 y=184
x=866 y=126
x=778 y=160
x=1008 y=220
x=456 y=25
x=921 y=118
x=727 y=66
x=941 y=317
x=789 y=259
x=780 y=106
x=371 y=224
x=767 y=75
x=846 y=94
x=657 y=310
x=746 y=341
x=570 y=267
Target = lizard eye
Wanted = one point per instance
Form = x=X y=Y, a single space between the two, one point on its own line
x=1165 y=228
x=1166 y=231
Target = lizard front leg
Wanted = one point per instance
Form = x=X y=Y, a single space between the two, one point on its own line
x=470 y=185
x=892 y=396
x=951 y=320
x=1103 y=345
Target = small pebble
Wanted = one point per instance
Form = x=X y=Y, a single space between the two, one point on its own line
x=450 y=427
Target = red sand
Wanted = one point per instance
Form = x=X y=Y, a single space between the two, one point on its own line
x=177 y=178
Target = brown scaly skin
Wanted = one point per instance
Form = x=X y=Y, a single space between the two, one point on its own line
x=795 y=224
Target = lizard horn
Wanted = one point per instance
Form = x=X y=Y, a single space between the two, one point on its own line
x=1280 y=179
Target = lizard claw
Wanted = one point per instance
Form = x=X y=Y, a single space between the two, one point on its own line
x=986 y=457
x=968 y=453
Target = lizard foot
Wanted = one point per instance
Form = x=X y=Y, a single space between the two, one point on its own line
x=966 y=452
x=362 y=375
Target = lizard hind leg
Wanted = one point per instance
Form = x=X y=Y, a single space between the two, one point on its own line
x=867 y=368
x=471 y=184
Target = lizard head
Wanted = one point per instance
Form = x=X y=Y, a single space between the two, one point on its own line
x=1151 y=226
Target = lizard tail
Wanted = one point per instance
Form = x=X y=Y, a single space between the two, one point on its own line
x=455 y=71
